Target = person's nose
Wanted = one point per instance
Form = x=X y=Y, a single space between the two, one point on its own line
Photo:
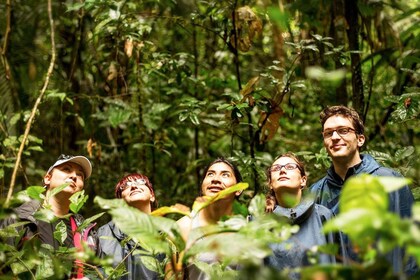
x=216 y=179
x=335 y=135
x=73 y=175
x=283 y=170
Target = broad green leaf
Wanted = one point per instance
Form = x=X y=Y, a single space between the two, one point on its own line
x=89 y=220
x=60 y=232
x=174 y=209
x=257 y=206
x=45 y=215
x=416 y=212
x=109 y=203
x=117 y=116
x=404 y=153
x=35 y=192
x=246 y=250
x=364 y=191
x=391 y=184
x=205 y=201
x=58 y=189
x=140 y=227
x=77 y=200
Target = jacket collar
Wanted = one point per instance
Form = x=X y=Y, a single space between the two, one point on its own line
x=298 y=214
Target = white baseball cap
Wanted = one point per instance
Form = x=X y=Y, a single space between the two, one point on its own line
x=79 y=160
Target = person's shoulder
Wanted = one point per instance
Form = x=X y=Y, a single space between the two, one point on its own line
x=106 y=228
x=386 y=171
x=315 y=186
x=185 y=224
x=184 y=221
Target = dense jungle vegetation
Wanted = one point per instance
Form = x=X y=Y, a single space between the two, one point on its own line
x=162 y=87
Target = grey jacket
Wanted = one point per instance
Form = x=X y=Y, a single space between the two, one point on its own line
x=110 y=240
x=292 y=253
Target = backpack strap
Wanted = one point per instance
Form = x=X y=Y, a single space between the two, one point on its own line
x=77 y=240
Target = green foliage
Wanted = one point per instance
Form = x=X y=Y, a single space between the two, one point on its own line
x=162 y=87
x=365 y=218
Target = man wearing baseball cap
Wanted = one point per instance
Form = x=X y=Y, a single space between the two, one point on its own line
x=71 y=171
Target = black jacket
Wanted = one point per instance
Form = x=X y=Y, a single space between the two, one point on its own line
x=25 y=213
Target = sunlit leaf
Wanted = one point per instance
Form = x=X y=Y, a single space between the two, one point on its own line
x=60 y=232
x=391 y=184
x=174 y=209
x=364 y=191
x=77 y=200
x=203 y=202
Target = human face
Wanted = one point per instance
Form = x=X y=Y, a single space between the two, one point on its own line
x=137 y=192
x=343 y=147
x=68 y=172
x=284 y=178
x=219 y=176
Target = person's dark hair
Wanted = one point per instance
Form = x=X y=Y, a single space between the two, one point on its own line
x=235 y=169
x=346 y=112
x=131 y=178
x=291 y=155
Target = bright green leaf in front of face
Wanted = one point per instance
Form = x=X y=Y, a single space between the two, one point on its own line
x=205 y=201
x=60 y=232
x=363 y=192
x=56 y=190
x=140 y=227
x=77 y=200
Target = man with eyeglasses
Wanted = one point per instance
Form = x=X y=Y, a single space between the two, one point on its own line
x=69 y=172
x=137 y=191
x=343 y=134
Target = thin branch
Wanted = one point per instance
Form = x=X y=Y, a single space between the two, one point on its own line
x=6 y=33
x=34 y=109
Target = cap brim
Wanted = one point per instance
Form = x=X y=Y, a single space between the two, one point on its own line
x=79 y=160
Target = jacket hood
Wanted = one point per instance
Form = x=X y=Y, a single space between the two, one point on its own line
x=298 y=214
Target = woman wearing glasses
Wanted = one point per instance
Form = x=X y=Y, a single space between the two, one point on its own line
x=287 y=181
x=137 y=191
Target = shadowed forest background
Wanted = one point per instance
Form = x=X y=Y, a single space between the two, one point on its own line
x=163 y=87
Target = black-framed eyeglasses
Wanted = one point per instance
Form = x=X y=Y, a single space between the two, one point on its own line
x=342 y=131
x=287 y=166
x=136 y=183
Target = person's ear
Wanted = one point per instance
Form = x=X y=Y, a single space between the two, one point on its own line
x=303 y=182
x=152 y=198
x=238 y=193
x=47 y=179
x=360 y=140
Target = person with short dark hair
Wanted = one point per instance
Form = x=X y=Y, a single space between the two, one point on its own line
x=71 y=170
x=137 y=191
x=343 y=137
x=287 y=181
